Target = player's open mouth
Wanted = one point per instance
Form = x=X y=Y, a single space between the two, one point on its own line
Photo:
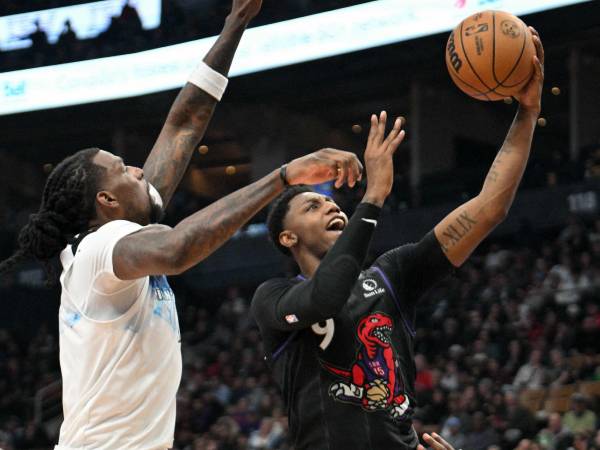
x=382 y=333
x=336 y=224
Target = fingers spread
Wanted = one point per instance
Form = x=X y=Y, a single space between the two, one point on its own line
x=395 y=131
x=539 y=47
x=354 y=170
x=397 y=141
x=444 y=444
x=342 y=173
x=373 y=130
x=538 y=69
x=381 y=128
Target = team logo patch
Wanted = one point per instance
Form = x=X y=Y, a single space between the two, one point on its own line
x=371 y=288
x=369 y=284
x=374 y=381
x=510 y=29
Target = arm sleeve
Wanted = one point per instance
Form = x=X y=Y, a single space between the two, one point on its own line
x=281 y=306
x=414 y=268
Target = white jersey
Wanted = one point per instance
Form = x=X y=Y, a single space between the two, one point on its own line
x=120 y=351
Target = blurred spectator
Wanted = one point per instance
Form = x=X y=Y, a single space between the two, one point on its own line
x=518 y=420
x=580 y=419
x=482 y=435
x=554 y=436
x=531 y=375
x=424 y=380
x=39 y=38
x=451 y=431
x=67 y=37
x=559 y=372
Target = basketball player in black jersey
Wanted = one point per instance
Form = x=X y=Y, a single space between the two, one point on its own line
x=339 y=339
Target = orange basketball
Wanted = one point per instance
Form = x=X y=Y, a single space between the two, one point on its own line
x=489 y=55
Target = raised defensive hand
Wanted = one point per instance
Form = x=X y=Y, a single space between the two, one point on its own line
x=325 y=165
x=436 y=442
x=530 y=96
x=379 y=157
x=246 y=8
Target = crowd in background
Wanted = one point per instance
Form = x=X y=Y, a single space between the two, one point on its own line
x=126 y=35
x=521 y=314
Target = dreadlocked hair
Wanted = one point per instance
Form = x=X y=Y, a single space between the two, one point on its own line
x=68 y=204
x=279 y=210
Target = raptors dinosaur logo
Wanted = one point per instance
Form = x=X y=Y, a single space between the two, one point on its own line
x=373 y=381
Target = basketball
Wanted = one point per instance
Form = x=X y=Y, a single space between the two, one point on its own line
x=377 y=392
x=489 y=55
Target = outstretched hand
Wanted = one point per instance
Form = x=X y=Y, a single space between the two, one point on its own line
x=530 y=97
x=325 y=165
x=436 y=442
x=246 y=9
x=379 y=157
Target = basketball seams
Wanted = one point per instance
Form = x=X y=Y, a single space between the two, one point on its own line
x=510 y=44
x=479 y=93
x=525 y=34
x=494 y=50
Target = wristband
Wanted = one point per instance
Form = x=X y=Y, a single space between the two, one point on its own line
x=209 y=80
x=283 y=175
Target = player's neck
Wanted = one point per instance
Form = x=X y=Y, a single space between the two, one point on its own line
x=308 y=263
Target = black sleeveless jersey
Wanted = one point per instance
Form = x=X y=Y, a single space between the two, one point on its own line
x=348 y=380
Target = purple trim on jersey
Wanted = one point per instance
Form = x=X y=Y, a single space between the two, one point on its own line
x=282 y=347
x=393 y=292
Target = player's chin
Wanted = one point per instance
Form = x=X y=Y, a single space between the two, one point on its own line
x=331 y=238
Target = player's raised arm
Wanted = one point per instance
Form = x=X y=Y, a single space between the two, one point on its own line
x=161 y=250
x=463 y=229
x=329 y=282
x=189 y=116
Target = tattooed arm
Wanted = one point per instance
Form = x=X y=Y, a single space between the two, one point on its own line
x=159 y=249
x=465 y=227
x=193 y=108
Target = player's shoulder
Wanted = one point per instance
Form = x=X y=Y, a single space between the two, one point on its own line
x=115 y=226
x=409 y=250
x=272 y=286
x=104 y=237
x=270 y=290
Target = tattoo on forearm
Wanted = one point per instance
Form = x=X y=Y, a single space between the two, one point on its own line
x=188 y=119
x=458 y=230
x=493 y=173
x=205 y=231
x=174 y=148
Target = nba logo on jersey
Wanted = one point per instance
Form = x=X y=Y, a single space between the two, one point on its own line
x=291 y=318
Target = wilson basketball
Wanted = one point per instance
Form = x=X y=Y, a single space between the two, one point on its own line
x=489 y=55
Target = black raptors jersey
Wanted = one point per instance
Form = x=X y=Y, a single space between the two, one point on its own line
x=348 y=381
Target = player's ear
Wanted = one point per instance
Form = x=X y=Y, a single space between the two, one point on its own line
x=106 y=199
x=288 y=239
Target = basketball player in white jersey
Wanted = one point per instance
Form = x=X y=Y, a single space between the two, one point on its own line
x=120 y=350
